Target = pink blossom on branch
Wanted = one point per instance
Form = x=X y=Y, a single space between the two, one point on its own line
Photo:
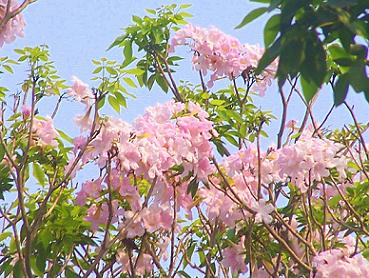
x=166 y=136
x=223 y=55
x=310 y=160
x=334 y=263
x=80 y=91
x=45 y=131
x=263 y=211
x=234 y=258
x=14 y=27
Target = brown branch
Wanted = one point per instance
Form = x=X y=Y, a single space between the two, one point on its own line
x=362 y=141
x=11 y=14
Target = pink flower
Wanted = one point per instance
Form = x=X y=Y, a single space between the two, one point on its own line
x=234 y=258
x=260 y=273
x=83 y=121
x=309 y=160
x=263 y=211
x=90 y=189
x=133 y=224
x=291 y=124
x=143 y=265
x=128 y=191
x=45 y=131
x=78 y=143
x=123 y=258
x=334 y=263
x=223 y=55
x=80 y=91
x=26 y=111
x=98 y=215
x=15 y=26
x=156 y=217
x=219 y=206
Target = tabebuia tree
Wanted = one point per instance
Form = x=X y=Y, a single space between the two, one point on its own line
x=187 y=189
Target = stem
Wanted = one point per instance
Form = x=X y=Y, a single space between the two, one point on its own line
x=288 y=248
x=10 y=14
x=171 y=265
x=362 y=141
x=284 y=117
x=172 y=85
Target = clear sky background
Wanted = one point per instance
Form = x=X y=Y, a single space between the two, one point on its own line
x=79 y=30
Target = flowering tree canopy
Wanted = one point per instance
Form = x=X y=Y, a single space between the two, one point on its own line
x=187 y=189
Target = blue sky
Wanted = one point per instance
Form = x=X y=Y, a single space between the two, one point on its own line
x=78 y=31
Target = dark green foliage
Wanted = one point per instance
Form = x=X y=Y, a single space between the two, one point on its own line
x=323 y=41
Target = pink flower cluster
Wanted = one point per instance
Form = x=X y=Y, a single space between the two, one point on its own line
x=309 y=160
x=242 y=174
x=144 y=263
x=45 y=131
x=305 y=163
x=80 y=91
x=223 y=55
x=337 y=263
x=15 y=26
x=165 y=137
x=234 y=257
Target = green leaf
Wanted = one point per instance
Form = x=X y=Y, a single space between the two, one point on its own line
x=5 y=235
x=65 y=136
x=121 y=99
x=231 y=140
x=314 y=67
x=114 y=103
x=8 y=68
x=217 y=102
x=184 y=274
x=5 y=181
x=340 y=90
x=271 y=29
x=97 y=70
x=269 y=56
x=111 y=70
x=185 y=6
x=161 y=82
x=2 y=152
x=19 y=51
x=129 y=82
x=192 y=187
x=118 y=41
x=101 y=103
x=185 y=14
x=251 y=16
x=292 y=53
x=309 y=88
x=135 y=71
x=128 y=51
x=39 y=174
x=69 y=273
x=151 y=81
x=17 y=270
x=357 y=76
x=342 y=3
x=41 y=259
x=150 y=11
x=202 y=258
